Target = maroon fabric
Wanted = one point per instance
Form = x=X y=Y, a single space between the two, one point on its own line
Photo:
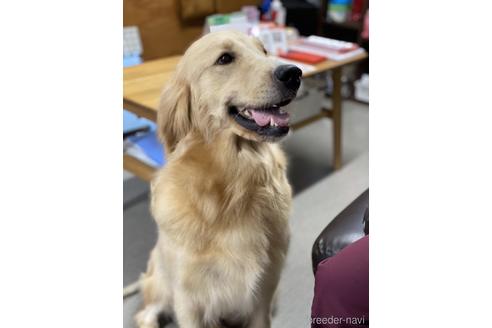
x=341 y=291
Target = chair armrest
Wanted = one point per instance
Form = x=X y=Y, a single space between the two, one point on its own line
x=347 y=227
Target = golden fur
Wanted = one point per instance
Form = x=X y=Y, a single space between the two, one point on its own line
x=222 y=201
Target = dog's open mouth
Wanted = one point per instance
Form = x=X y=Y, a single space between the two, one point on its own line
x=269 y=120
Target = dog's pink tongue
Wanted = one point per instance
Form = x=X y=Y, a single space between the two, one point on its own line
x=263 y=117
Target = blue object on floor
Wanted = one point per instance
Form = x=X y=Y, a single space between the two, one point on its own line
x=132 y=122
x=151 y=146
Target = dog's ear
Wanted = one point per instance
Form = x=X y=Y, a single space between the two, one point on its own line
x=174 y=115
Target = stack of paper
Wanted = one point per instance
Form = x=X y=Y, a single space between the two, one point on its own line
x=329 y=48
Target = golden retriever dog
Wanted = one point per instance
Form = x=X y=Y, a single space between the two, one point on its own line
x=222 y=201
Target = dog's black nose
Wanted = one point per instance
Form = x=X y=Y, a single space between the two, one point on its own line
x=289 y=75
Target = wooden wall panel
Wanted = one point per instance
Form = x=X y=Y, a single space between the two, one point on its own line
x=227 y=6
x=162 y=31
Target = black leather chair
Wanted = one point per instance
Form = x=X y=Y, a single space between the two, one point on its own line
x=347 y=227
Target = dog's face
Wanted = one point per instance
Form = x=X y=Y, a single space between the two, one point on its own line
x=232 y=84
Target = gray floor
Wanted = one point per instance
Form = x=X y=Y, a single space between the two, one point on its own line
x=319 y=196
x=313 y=209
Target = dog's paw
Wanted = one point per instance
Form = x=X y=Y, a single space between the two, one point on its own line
x=147 y=318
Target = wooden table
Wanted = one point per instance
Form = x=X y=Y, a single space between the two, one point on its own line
x=142 y=85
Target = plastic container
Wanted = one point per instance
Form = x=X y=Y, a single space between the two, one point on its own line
x=278 y=13
x=362 y=88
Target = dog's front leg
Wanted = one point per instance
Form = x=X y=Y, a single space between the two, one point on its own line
x=188 y=314
x=267 y=299
x=261 y=317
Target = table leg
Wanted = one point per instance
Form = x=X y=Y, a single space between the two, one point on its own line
x=337 y=117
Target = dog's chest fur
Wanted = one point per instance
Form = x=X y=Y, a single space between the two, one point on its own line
x=227 y=214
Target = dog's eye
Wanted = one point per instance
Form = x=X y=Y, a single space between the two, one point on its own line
x=225 y=59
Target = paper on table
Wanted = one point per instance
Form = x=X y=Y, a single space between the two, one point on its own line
x=325 y=53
